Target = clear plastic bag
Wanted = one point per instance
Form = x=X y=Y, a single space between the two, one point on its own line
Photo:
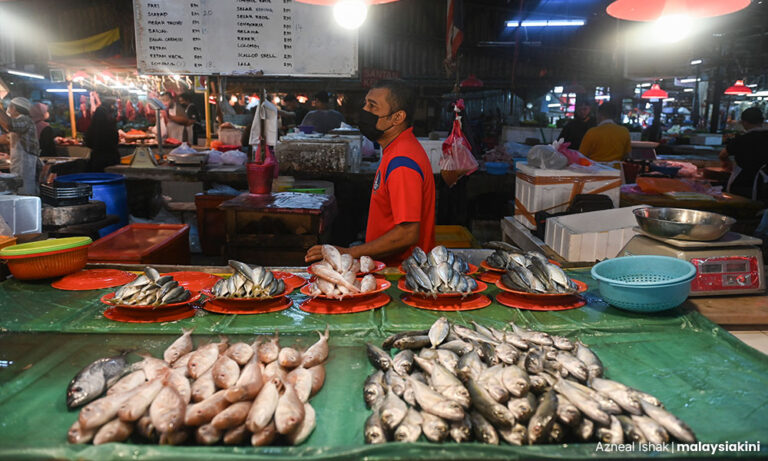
x=457 y=159
x=545 y=157
x=183 y=149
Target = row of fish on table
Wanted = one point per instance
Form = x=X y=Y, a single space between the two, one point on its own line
x=219 y=392
x=151 y=289
x=336 y=276
x=438 y=272
x=517 y=385
x=248 y=282
x=530 y=271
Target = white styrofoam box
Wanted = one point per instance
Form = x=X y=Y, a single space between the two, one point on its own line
x=707 y=139
x=591 y=236
x=555 y=197
x=434 y=150
x=21 y=213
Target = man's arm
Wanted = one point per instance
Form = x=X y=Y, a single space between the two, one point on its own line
x=398 y=239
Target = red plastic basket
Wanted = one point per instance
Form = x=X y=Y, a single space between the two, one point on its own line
x=48 y=265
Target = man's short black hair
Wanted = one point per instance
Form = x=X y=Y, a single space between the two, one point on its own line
x=322 y=96
x=608 y=110
x=401 y=97
x=753 y=115
x=187 y=96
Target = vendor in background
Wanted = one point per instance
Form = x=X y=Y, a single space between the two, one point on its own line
x=750 y=150
x=24 y=144
x=574 y=131
x=322 y=118
x=177 y=124
x=102 y=138
x=190 y=110
x=401 y=214
x=607 y=142
x=39 y=114
x=292 y=113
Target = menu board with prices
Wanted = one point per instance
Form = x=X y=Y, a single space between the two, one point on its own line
x=241 y=37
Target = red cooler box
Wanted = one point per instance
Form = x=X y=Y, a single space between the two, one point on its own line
x=143 y=244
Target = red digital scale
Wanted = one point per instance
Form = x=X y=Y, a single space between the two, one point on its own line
x=728 y=266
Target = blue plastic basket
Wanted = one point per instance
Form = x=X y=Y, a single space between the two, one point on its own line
x=644 y=283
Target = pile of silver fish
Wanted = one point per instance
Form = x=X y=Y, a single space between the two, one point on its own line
x=336 y=275
x=151 y=289
x=439 y=272
x=220 y=392
x=248 y=283
x=517 y=385
x=530 y=272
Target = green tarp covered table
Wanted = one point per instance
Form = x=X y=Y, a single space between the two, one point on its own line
x=704 y=375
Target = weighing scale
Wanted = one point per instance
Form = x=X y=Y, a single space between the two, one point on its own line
x=728 y=266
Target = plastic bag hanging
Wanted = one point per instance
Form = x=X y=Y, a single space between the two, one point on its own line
x=457 y=159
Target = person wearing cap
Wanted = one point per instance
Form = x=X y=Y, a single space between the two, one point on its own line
x=25 y=147
x=322 y=119
x=574 y=131
x=39 y=114
x=750 y=152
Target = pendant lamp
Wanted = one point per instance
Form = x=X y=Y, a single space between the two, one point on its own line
x=655 y=92
x=651 y=10
x=738 y=88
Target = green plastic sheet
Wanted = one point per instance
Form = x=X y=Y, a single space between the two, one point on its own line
x=702 y=374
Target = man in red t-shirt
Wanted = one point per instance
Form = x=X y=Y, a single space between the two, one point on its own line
x=401 y=214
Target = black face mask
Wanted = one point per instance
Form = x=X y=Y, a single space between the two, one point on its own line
x=367 y=121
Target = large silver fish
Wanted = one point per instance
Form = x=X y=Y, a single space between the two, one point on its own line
x=90 y=382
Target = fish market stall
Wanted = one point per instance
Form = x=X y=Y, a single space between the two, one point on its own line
x=702 y=375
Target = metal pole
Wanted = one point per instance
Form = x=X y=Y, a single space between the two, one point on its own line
x=695 y=116
x=207 y=95
x=72 y=119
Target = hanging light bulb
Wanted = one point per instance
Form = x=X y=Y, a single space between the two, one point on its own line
x=738 y=88
x=350 y=14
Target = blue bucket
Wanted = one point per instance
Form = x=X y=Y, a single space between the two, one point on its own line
x=108 y=188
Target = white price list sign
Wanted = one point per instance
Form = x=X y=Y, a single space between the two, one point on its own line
x=241 y=37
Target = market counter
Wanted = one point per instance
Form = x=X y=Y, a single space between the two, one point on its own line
x=703 y=374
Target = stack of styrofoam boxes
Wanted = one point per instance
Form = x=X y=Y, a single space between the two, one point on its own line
x=592 y=236
x=553 y=193
x=434 y=150
x=22 y=213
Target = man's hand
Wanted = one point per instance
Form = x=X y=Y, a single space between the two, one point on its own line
x=316 y=253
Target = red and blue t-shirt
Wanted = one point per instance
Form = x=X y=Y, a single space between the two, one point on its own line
x=403 y=191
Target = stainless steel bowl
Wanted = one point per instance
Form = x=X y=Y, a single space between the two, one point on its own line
x=683 y=224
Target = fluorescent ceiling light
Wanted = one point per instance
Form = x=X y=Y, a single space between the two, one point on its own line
x=696 y=62
x=554 y=105
x=548 y=23
x=668 y=99
x=558 y=89
x=688 y=90
x=759 y=93
x=602 y=96
x=64 y=90
x=25 y=74
x=752 y=85
x=689 y=80
x=645 y=85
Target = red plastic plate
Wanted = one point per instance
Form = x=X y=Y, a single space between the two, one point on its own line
x=377 y=266
x=472 y=269
x=582 y=287
x=105 y=299
x=381 y=285
x=226 y=306
x=559 y=304
x=245 y=302
x=139 y=316
x=470 y=303
x=290 y=280
x=94 y=279
x=481 y=286
x=490 y=268
x=490 y=277
x=193 y=280
x=347 y=306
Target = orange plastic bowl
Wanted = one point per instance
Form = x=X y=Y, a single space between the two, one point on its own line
x=48 y=264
